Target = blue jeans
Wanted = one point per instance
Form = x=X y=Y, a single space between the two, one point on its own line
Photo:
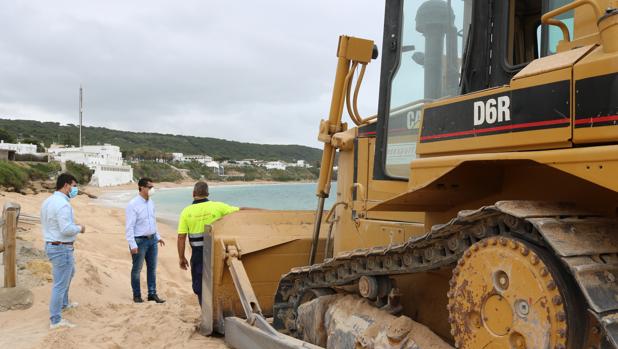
x=63 y=269
x=147 y=249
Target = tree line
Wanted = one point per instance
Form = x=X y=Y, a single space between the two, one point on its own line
x=150 y=146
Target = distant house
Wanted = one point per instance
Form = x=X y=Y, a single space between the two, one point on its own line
x=177 y=157
x=212 y=164
x=302 y=163
x=299 y=163
x=19 y=148
x=245 y=162
x=202 y=159
x=275 y=165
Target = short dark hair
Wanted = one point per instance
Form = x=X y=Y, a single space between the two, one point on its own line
x=65 y=178
x=200 y=189
x=143 y=182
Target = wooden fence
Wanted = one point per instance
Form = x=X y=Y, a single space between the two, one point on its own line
x=10 y=215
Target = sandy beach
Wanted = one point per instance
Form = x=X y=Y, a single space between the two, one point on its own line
x=106 y=316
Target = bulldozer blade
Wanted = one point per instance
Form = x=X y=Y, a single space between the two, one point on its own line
x=270 y=243
x=241 y=335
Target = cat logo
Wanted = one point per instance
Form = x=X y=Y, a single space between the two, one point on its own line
x=413 y=119
x=491 y=111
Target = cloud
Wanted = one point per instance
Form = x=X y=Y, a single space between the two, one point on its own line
x=258 y=71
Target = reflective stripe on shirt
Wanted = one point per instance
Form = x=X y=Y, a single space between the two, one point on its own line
x=196 y=239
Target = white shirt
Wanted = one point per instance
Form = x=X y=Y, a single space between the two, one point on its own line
x=57 y=219
x=141 y=220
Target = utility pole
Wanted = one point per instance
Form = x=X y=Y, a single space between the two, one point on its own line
x=81 y=111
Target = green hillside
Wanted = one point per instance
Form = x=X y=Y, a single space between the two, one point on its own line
x=148 y=144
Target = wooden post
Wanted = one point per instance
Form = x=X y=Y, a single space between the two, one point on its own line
x=9 y=229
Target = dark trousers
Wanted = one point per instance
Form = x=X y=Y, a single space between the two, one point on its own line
x=147 y=249
x=197 y=264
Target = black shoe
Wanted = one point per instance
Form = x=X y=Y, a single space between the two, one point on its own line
x=138 y=299
x=154 y=297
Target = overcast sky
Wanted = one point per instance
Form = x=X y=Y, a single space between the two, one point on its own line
x=254 y=71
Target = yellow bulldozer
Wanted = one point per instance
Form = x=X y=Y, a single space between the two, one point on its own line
x=477 y=209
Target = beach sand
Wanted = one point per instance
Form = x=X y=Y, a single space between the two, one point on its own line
x=106 y=316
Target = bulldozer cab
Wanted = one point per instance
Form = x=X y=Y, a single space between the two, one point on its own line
x=442 y=49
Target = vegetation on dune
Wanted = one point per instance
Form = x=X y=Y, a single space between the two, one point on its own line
x=152 y=146
x=158 y=172
x=247 y=173
x=13 y=175
x=18 y=175
x=82 y=173
x=292 y=174
x=251 y=173
x=197 y=171
x=43 y=170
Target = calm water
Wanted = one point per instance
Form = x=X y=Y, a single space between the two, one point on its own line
x=293 y=196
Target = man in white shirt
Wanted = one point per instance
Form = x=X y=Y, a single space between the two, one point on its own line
x=143 y=236
x=59 y=233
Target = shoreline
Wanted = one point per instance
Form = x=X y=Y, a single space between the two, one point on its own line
x=98 y=191
x=117 y=196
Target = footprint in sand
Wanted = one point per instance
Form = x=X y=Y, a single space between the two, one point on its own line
x=96 y=311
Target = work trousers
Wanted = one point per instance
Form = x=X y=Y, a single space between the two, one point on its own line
x=197 y=265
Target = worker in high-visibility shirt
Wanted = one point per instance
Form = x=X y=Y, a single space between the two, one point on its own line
x=192 y=220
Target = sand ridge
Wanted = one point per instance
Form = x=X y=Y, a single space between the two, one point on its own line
x=106 y=316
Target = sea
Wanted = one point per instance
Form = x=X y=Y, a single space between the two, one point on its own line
x=169 y=202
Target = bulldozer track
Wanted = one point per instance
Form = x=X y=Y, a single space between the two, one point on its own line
x=585 y=244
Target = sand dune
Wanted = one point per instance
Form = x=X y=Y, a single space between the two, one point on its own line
x=106 y=316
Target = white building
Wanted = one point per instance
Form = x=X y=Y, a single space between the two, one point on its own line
x=302 y=163
x=177 y=157
x=275 y=165
x=108 y=175
x=105 y=160
x=89 y=155
x=19 y=148
x=245 y=162
x=299 y=163
x=212 y=164
x=202 y=159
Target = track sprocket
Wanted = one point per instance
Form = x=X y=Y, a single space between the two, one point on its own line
x=504 y=293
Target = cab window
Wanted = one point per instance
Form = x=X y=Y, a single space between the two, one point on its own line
x=430 y=53
x=524 y=20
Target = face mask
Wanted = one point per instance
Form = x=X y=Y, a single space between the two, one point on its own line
x=151 y=192
x=73 y=192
